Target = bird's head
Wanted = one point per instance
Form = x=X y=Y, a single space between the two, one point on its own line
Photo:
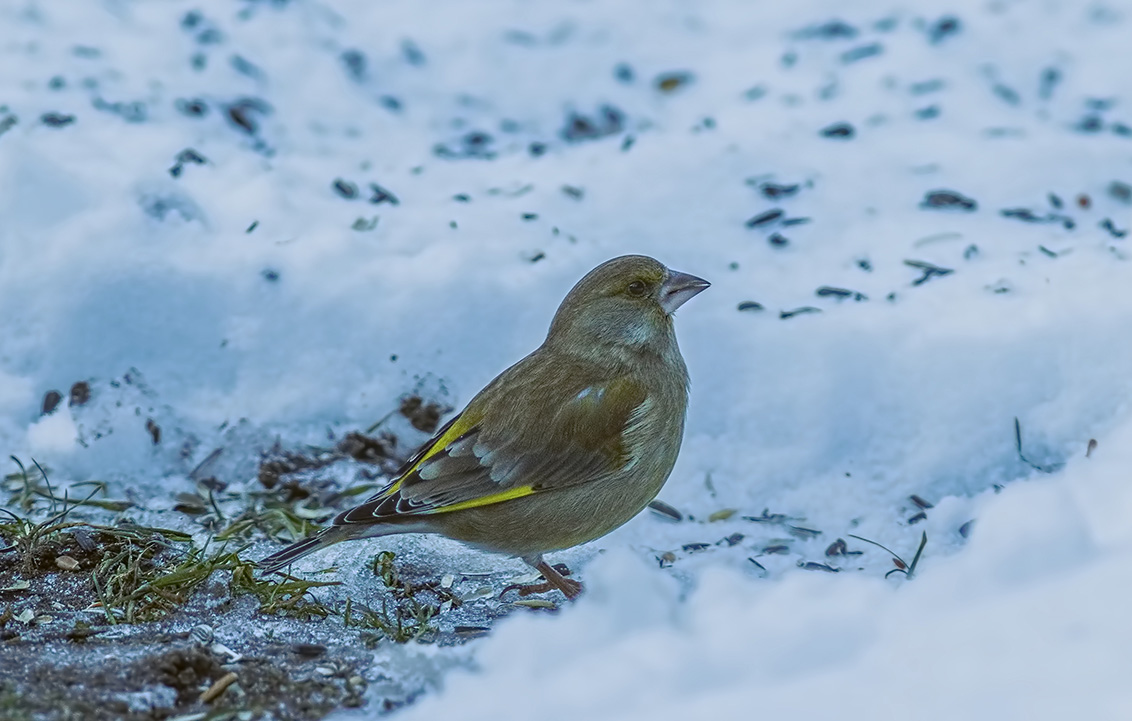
x=625 y=303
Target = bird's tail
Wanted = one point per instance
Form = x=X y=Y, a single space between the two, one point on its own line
x=328 y=537
x=299 y=549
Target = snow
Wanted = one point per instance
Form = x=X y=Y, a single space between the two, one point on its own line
x=1025 y=622
x=157 y=290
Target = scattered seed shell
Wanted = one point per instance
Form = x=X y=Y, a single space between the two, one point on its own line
x=51 y=401
x=766 y=217
x=672 y=81
x=948 y=200
x=843 y=131
x=767 y=517
x=309 y=650
x=773 y=191
x=201 y=634
x=664 y=510
x=732 y=540
x=221 y=650
x=787 y=314
x=815 y=566
x=801 y=532
x=481 y=592
x=1120 y=191
x=920 y=502
x=80 y=393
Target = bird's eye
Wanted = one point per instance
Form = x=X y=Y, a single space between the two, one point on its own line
x=637 y=288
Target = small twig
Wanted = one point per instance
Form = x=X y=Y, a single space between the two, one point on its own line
x=379 y=421
x=213 y=692
x=907 y=569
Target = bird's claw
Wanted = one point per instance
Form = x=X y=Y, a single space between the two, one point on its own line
x=555 y=581
x=527 y=589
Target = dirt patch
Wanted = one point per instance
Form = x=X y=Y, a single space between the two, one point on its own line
x=154 y=674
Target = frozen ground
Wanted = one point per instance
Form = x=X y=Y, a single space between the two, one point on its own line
x=249 y=301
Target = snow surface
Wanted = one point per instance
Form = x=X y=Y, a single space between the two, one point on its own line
x=304 y=327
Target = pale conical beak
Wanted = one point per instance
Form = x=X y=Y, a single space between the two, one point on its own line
x=678 y=289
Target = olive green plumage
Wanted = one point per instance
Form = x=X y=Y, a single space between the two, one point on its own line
x=561 y=448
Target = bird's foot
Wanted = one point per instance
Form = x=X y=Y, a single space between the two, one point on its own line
x=527 y=589
x=555 y=581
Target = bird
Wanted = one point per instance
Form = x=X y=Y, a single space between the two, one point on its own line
x=561 y=448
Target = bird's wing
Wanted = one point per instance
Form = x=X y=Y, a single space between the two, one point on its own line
x=494 y=452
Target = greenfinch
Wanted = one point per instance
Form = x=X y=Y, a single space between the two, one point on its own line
x=562 y=447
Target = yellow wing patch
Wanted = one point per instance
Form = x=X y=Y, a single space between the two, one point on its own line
x=509 y=494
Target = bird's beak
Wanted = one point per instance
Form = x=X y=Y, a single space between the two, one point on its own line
x=678 y=289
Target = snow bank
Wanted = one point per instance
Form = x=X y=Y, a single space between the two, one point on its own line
x=1024 y=623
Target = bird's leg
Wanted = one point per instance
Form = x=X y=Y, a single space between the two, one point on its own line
x=554 y=580
x=569 y=587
